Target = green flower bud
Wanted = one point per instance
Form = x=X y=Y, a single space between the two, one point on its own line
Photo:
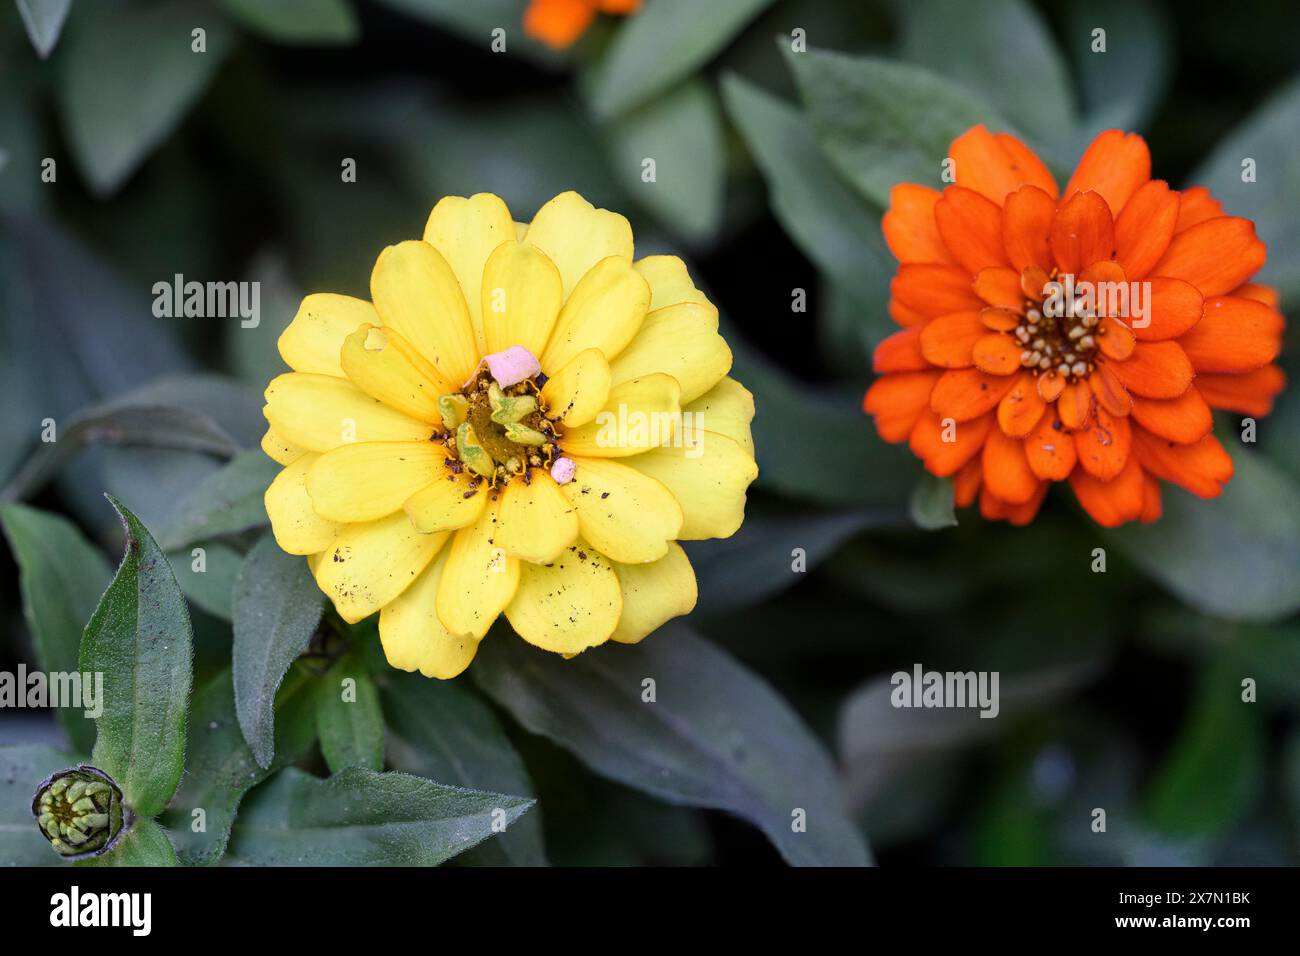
x=81 y=811
x=513 y=408
x=523 y=435
x=452 y=408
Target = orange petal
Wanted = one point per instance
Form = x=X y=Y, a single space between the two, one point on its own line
x=904 y=316
x=1115 y=339
x=1171 y=307
x=999 y=320
x=946 y=457
x=1082 y=232
x=971 y=227
x=897 y=401
x=948 y=340
x=909 y=226
x=999 y=285
x=1021 y=408
x=963 y=394
x=996 y=165
x=1144 y=228
x=993 y=508
x=1234 y=335
x=1249 y=394
x=1115 y=165
x=997 y=353
x=933 y=289
x=1103 y=446
x=1026 y=225
x=900 y=352
x=1260 y=293
x=1033 y=281
x=1184 y=419
x=966 y=483
x=1006 y=471
x=1049 y=449
x=558 y=23
x=1152 y=507
x=1155 y=370
x=1111 y=503
x=1075 y=405
x=1195 y=206
x=1216 y=255
x=1109 y=390
x=1050 y=386
x=1202 y=467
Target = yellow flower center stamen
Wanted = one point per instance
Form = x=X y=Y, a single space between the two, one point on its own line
x=497 y=432
x=1058 y=331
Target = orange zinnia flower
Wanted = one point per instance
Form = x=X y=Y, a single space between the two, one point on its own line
x=559 y=23
x=1082 y=335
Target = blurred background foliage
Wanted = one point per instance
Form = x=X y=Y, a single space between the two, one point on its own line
x=1119 y=690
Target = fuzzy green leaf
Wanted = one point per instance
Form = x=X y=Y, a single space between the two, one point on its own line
x=348 y=718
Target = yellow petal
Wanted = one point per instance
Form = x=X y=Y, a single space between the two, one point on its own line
x=576 y=235
x=280 y=449
x=446 y=504
x=535 y=521
x=370 y=564
x=384 y=365
x=320 y=412
x=413 y=637
x=576 y=392
x=298 y=529
x=568 y=605
x=638 y=415
x=312 y=340
x=479 y=580
x=622 y=513
x=521 y=298
x=669 y=281
x=681 y=340
x=521 y=230
x=465 y=231
x=373 y=479
x=603 y=312
x=708 y=478
x=727 y=409
x=417 y=294
x=654 y=593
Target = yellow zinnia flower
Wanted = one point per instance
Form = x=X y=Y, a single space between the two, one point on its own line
x=525 y=420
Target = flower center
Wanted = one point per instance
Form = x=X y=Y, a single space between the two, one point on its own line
x=1059 y=329
x=498 y=432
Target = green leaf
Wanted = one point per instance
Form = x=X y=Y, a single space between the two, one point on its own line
x=220 y=768
x=664 y=42
x=211 y=588
x=1236 y=556
x=815 y=447
x=363 y=818
x=62 y=579
x=682 y=133
x=348 y=718
x=1214 y=771
x=44 y=21
x=833 y=226
x=276 y=608
x=140 y=639
x=306 y=22
x=714 y=736
x=442 y=731
x=22 y=768
x=770 y=553
x=1121 y=86
x=1268 y=137
x=882 y=122
x=227 y=502
x=144 y=843
x=931 y=504
x=116 y=109
x=968 y=43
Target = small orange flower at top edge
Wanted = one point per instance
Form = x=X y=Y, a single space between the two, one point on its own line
x=1081 y=335
x=559 y=23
